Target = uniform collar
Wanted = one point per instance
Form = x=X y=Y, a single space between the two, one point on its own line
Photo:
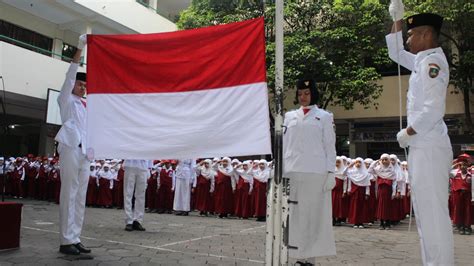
x=421 y=55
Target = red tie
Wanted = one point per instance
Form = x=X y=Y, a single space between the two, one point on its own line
x=84 y=103
x=306 y=110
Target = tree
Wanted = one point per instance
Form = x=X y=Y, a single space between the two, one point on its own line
x=339 y=43
x=459 y=34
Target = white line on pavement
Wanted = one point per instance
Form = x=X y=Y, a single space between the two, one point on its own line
x=160 y=247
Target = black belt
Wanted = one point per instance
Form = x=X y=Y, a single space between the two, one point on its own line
x=80 y=145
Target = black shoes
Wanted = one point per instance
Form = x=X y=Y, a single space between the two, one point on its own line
x=74 y=249
x=82 y=248
x=304 y=263
x=69 y=250
x=129 y=227
x=137 y=226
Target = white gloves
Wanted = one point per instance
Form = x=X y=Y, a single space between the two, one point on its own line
x=396 y=9
x=82 y=42
x=403 y=138
x=330 y=182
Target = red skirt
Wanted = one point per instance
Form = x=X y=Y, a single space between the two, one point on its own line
x=242 y=206
x=32 y=186
x=151 y=193
x=42 y=188
x=260 y=198
x=104 y=197
x=223 y=195
x=384 y=199
x=462 y=207
x=357 y=209
x=91 y=197
x=337 y=200
x=165 y=197
x=397 y=210
x=202 y=195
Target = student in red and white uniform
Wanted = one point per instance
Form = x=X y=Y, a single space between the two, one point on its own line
x=244 y=190
x=406 y=199
x=152 y=190
x=164 y=201
x=43 y=179
x=260 y=180
x=338 y=213
x=205 y=187
x=398 y=191
x=385 y=177
x=359 y=190
x=462 y=196
x=372 y=202
x=17 y=178
x=106 y=184
x=223 y=193
x=92 y=186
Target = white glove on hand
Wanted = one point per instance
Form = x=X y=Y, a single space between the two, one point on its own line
x=403 y=138
x=396 y=9
x=330 y=182
x=82 y=42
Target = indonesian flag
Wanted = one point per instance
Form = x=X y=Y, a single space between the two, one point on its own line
x=187 y=94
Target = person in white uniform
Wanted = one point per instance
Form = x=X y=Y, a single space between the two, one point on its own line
x=73 y=161
x=135 y=183
x=426 y=134
x=183 y=179
x=309 y=156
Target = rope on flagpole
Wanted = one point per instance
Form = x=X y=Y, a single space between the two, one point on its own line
x=401 y=115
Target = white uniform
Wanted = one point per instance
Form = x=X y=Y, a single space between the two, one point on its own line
x=135 y=183
x=183 y=178
x=309 y=153
x=73 y=162
x=430 y=149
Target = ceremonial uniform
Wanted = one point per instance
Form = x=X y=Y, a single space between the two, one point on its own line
x=204 y=187
x=309 y=154
x=430 y=151
x=73 y=162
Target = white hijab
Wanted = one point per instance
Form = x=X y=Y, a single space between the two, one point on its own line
x=207 y=172
x=359 y=176
x=262 y=175
x=385 y=172
x=339 y=172
x=226 y=170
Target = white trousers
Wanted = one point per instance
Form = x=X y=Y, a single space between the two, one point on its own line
x=135 y=182
x=311 y=219
x=72 y=200
x=429 y=174
x=182 y=195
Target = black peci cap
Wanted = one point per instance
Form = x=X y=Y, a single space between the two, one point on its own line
x=425 y=19
x=81 y=76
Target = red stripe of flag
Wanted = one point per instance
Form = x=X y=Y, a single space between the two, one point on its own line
x=188 y=60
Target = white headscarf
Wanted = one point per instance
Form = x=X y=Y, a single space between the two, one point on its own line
x=397 y=168
x=262 y=175
x=226 y=170
x=359 y=176
x=207 y=172
x=339 y=172
x=383 y=171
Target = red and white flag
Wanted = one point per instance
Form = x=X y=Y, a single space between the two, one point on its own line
x=186 y=94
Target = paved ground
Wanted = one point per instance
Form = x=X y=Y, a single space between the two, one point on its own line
x=194 y=240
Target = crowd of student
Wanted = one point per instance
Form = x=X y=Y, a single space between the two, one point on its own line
x=366 y=191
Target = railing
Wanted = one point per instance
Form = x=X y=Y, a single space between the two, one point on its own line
x=156 y=10
x=35 y=48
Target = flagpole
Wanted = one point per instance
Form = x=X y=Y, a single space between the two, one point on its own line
x=275 y=250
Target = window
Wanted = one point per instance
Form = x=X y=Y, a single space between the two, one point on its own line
x=145 y=3
x=67 y=53
x=25 y=38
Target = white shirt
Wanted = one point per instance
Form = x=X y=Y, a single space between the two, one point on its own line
x=73 y=113
x=309 y=142
x=140 y=164
x=426 y=98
